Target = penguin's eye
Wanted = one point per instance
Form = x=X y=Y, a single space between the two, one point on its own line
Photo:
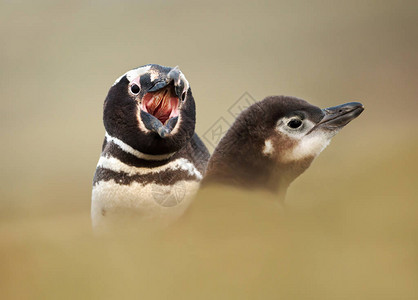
x=294 y=123
x=183 y=96
x=135 y=89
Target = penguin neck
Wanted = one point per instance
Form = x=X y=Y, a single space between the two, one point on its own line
x=139 y=155
x=243 y=165
x=116 y=148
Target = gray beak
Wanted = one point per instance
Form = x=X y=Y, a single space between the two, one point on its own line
x=153 y=124
x=339 y=116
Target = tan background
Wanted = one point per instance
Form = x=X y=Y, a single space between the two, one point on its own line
x=59 y=59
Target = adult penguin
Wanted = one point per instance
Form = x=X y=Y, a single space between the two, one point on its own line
x=152 y=160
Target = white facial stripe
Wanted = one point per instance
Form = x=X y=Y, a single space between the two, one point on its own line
x=140 y=123
x=114 y=164
x=268 y=148
x=132 y=74
x=125 y=147
x=186 y=83
x=176 y=128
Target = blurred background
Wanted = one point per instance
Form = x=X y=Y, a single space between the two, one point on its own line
x=351 y=230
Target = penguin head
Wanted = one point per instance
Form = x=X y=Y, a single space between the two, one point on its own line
x=275 y=140
x=296 y=131
x=151 y=108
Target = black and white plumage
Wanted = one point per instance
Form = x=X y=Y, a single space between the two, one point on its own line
x=152 y=161
x=274 y=141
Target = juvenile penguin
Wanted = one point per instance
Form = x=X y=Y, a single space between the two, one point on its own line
x=152 y=161
x=274 y=141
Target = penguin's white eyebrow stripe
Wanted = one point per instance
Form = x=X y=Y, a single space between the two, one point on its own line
x=114 y=164
x=132 y=74
x=186 y=83
x=125 y=147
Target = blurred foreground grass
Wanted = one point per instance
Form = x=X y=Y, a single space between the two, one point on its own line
x=359 y=242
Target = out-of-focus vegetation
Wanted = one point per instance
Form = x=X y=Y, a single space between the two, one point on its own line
x=349 y=230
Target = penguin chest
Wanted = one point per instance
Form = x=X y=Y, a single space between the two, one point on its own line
x=159 y=194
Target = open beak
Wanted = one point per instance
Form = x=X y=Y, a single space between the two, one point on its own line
x=338 y=116
x=160 y=106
